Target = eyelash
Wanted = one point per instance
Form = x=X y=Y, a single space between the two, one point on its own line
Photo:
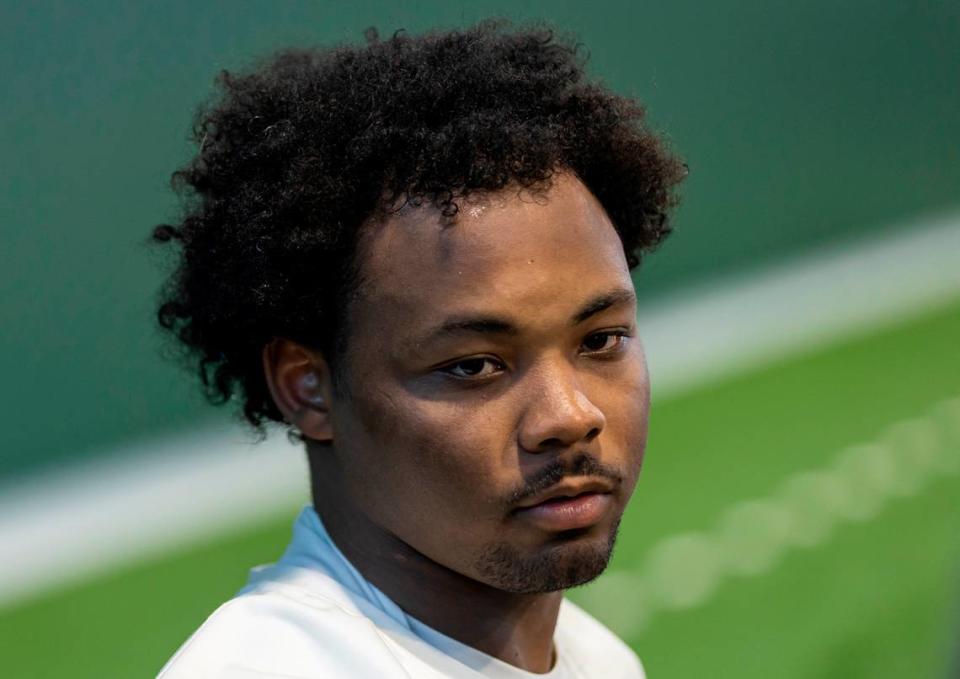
x=621 y=337
x=485 y=360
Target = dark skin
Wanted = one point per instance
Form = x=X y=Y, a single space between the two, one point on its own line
x=488 y=362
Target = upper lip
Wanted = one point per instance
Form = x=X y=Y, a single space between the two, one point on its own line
x=569 y=488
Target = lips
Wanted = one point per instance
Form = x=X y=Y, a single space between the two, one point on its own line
x=568 y=506
x=569 y=513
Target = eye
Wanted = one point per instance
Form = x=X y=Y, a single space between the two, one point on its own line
x=604 y=342
x=473 y=368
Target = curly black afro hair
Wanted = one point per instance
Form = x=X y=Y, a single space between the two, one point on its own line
x=295 y=155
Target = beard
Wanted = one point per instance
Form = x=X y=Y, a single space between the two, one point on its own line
x=567 y=561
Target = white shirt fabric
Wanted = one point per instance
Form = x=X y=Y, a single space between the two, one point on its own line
x=313 y=615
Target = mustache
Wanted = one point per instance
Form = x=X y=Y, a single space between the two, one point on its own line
x=582 y=465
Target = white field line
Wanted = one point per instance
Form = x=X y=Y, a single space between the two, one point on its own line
x=721 y=329
x=751 y=537
x=154 y=497
x=64 y=527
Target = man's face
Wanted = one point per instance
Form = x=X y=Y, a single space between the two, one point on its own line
x=493 y=364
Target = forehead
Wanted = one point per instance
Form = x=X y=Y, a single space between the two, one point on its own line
x=509 y=252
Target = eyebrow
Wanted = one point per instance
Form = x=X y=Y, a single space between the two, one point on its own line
x=494 y=325
x=616 y=297
x=487 y=325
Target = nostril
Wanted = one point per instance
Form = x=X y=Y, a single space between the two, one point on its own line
x=592 y=434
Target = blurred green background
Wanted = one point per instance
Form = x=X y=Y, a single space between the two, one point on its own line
x=807 y=126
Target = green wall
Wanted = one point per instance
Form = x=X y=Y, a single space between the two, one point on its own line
x=803 y=124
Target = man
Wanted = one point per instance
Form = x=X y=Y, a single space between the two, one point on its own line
x=417 y=254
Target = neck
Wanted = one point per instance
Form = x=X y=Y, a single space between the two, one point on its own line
x=515 y=628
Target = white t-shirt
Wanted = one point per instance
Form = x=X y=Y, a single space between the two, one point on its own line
x=313 y=615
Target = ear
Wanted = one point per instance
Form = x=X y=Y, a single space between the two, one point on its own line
x=301 y=384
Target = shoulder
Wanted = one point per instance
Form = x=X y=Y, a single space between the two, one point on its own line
x=594 y=649
x=274 y=633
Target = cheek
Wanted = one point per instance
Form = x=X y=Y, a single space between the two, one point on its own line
x=627 y=409
x=423 y=459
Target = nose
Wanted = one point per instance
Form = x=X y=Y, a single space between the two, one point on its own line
x=559 y=414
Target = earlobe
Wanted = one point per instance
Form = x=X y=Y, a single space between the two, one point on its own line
x=300 y=383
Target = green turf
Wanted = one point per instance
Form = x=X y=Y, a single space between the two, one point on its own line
x=877 y=600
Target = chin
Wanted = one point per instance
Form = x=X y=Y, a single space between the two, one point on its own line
x=570 y=559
